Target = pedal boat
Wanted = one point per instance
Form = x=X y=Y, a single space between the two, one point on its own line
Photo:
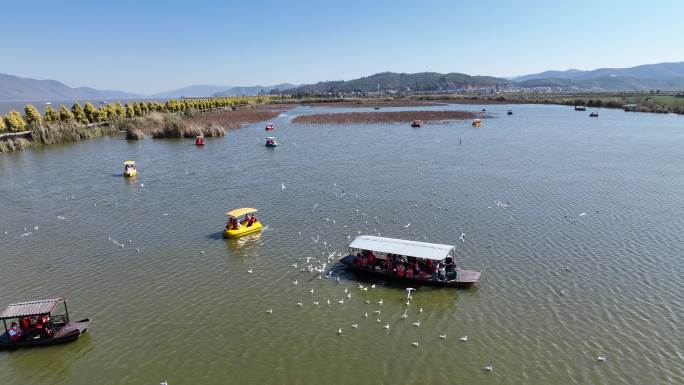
x=129 y=169
x=244 y=228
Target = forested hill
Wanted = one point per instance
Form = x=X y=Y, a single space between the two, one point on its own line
x=424 y=81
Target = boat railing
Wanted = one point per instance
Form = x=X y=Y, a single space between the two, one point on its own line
x=59 y=319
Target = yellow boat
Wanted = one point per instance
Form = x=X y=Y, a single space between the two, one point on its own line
x=237 y=227
x=129 y=168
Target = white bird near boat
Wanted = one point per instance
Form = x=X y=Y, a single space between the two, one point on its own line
x=462 y=237
x=315 y=303
x=340 y=301
x=373 y=286
x=380 y=302
x=366 y=315
x=377 y=311
x=489 y=368
x=416 y=323
x=443 y=336
x=327 y=301
x=366 y=301
x=339 y=331
x=387 y=327
x=250 y=271
x=355 y=326
x=464 y=338
x=601 y=358
x=420 y=310
x=300 y=304
x=269 y=311
x=311 y=291
x=295 y=282
x=378 y=320
x=349 y=295
x=407 y=226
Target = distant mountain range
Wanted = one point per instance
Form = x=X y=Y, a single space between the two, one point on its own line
x=663 y=76
x=18 y=88
x=196 y=91
x=254 y=90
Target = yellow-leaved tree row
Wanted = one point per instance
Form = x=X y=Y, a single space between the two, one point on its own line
x=13 y=121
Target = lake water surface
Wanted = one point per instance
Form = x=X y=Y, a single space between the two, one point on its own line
x=578 y=224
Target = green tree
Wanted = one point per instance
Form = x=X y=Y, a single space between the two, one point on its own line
x=51 y=115
x=14 y=122
x=79 y=115
x=104 y=113
x=65 y=115
x=32 y=116
x=112 y=112
x=120 y=110
x=136 y=109
x=129 y=110
x=91 y=113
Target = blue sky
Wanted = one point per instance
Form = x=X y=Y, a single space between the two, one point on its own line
x=151 y=46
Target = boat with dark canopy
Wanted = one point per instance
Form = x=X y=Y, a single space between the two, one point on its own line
x=39 y=323
x=409 y=261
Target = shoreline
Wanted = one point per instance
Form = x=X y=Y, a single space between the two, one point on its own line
x=173 y=118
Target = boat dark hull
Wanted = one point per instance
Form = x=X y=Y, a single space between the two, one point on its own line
x=466 y=280
x=69 y=333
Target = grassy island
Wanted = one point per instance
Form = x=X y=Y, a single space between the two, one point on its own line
x=384 y=117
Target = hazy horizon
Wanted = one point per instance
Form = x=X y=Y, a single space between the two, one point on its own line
x=150 y=48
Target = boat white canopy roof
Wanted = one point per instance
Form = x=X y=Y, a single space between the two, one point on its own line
x=23 y=309
x=422 y=250
x=240 y=212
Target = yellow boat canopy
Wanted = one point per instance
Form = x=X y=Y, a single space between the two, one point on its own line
x=131 y=162
x=240 y=212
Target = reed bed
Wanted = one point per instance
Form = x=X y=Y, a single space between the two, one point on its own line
x=373 y=103
x=384 y=117
x=233 y=119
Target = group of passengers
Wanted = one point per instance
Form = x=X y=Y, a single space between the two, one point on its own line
x=30 y=328
x=408 y=267
x=234 y=224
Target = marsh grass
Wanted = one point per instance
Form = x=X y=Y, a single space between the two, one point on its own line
x=384 y=117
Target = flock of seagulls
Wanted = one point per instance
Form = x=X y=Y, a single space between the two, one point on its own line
x=320 y=267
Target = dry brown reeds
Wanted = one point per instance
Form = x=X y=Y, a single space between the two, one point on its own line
x=371 y=103
x=384 y=117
